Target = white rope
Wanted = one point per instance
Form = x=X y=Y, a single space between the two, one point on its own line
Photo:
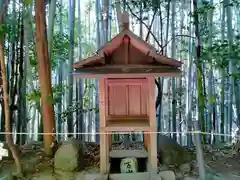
x=95 y=133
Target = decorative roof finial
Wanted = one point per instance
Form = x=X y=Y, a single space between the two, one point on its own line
x=125 y=20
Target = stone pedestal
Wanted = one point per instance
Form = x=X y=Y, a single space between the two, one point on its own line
x=129 y=165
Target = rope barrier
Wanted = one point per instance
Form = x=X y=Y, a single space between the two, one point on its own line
x=100 y=133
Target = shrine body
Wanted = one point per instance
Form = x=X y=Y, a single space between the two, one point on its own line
x=126 y=68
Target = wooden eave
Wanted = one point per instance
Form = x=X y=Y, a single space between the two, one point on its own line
x=90 y=61
x=163 y=59
x=111 y=71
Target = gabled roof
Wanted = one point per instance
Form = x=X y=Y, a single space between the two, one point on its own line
x=126 y=39
x=135 y=41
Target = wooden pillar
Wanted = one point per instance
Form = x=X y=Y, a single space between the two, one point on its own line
x=104 y=158
x=153 y=127
x=110 y=140
x=146 y=139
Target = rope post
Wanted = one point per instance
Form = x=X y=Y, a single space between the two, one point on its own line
x=199 y=151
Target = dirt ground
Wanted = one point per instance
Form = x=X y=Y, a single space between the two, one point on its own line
x=221 y=160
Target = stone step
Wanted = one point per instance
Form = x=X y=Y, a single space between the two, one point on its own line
x=128 y=153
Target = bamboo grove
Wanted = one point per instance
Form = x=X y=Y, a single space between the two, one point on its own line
x=40 y=40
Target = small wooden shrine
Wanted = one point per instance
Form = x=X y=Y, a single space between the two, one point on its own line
x=126 y=68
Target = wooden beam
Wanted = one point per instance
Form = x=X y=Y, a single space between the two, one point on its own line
x=128 y=153
x=126 y=129
x=126 y=75
x=151 y=105
x=153 y=124
x=104 y=159
x=136 y=118
x=129 y=68
x=132 y=66
x=126 y=42
x=146 y=140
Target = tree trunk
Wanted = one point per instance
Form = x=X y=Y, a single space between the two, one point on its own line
x=12 y=88
x=51 y=18
x=106 y=19
x=97 y=90
x=222 y=93
x=6 y=99
x=211 y=98
x=180 y=80
x=22 y=119
x=71 y=56
x=44 y=71
x=230 y=65
x=60 y=79
x=200 y=93
x=173 y=54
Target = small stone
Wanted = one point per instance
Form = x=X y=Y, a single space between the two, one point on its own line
x=195 y=167
x=208 y=148
x=214 y=158
x=79 y=176
x=69 y=157
x=218 y=154
x=61 y=175
x=178 y=174
x=97 y=157
x=167 y=175
x=158 y=178
x=129 y=165
x=163 y=167
x=171 y=153
x=185 y=168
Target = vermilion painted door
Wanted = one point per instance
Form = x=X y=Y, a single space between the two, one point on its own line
x=127 y=97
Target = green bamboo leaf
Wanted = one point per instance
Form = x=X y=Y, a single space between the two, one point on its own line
x=28 y=2
x=212 y=100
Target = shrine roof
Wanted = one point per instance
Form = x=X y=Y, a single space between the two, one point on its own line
x=127 y=53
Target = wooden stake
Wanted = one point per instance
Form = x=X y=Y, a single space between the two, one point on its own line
x=199 y=152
